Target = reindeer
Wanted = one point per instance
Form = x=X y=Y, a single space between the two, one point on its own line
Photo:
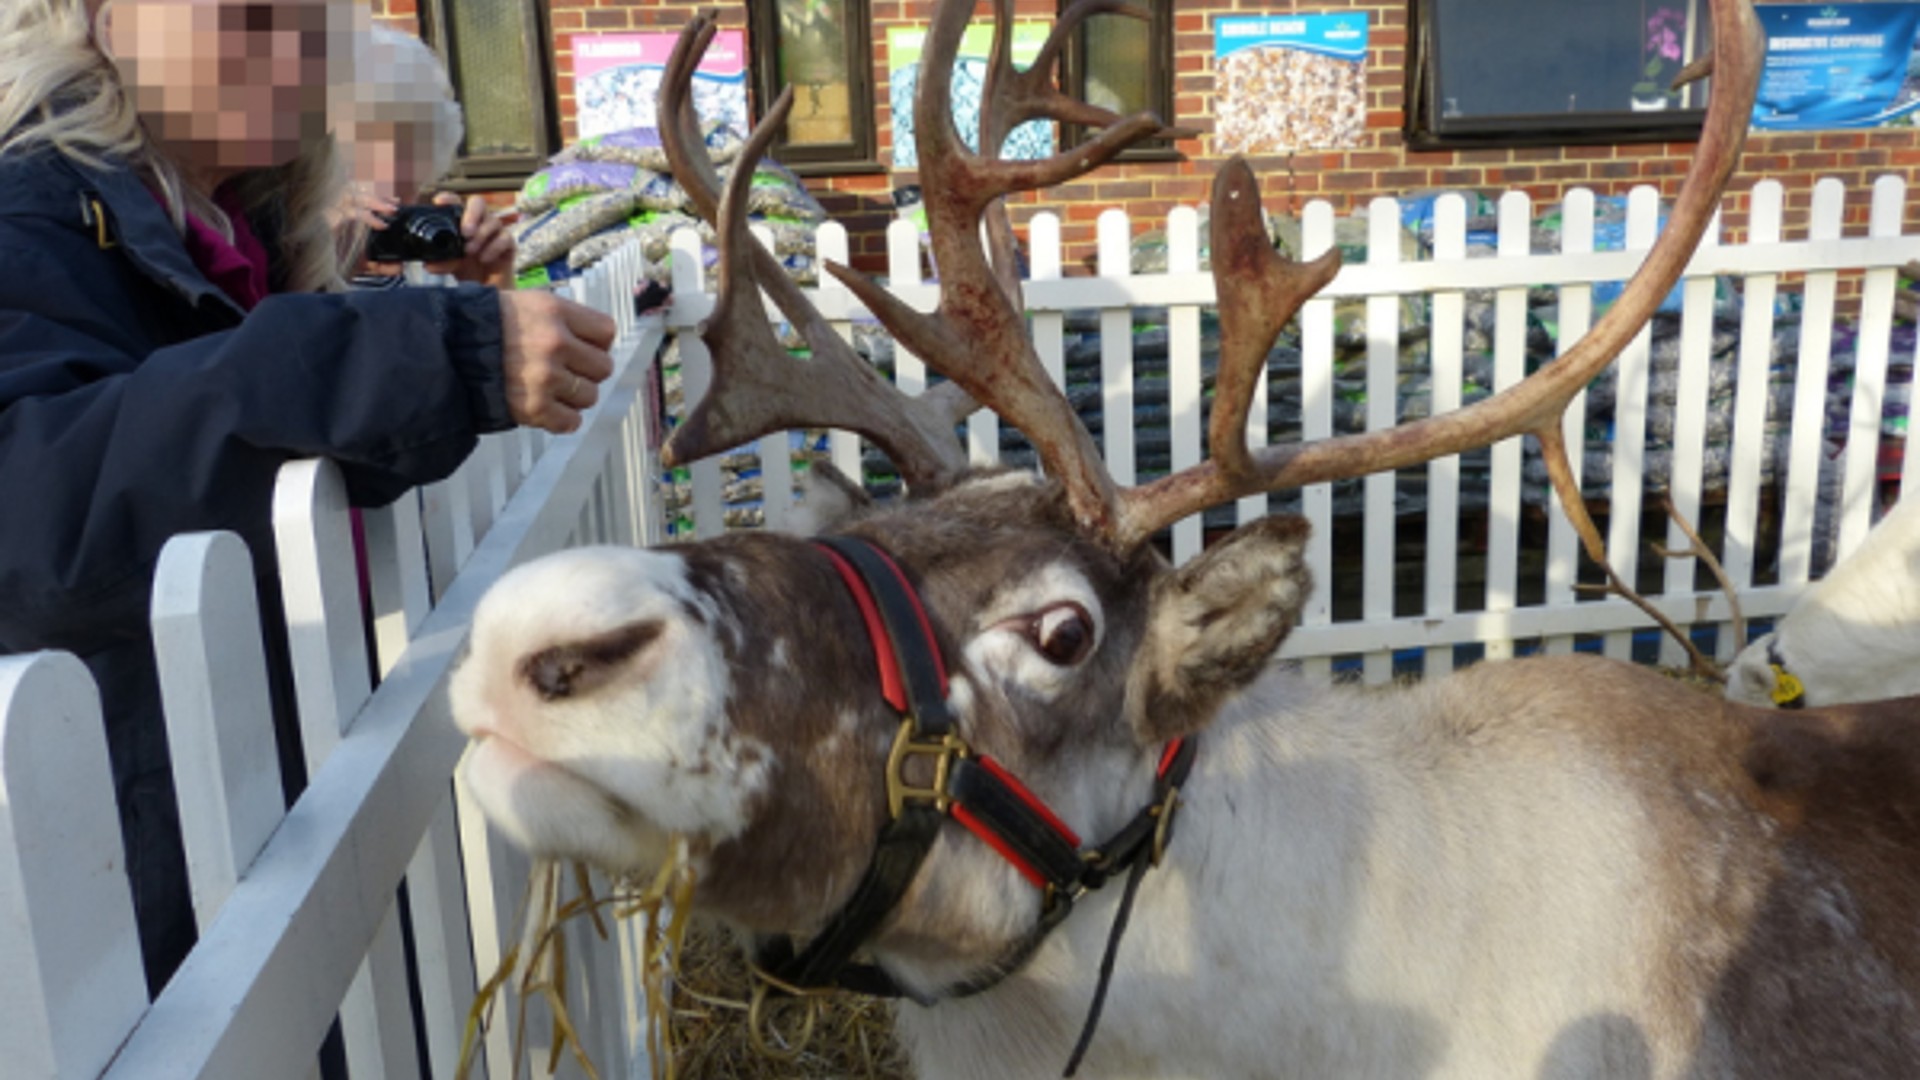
x=1854 y=635
x=907 y=756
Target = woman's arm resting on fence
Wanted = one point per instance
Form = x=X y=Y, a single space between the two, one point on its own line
x=105 y=454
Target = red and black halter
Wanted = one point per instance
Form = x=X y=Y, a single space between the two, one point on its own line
x=974 y=791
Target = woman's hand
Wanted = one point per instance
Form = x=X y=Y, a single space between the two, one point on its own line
x=490 y=247
x=554 y=355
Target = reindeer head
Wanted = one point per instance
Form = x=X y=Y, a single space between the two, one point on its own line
x=727 y=690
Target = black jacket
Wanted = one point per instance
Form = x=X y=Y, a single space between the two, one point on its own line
x=138 y=401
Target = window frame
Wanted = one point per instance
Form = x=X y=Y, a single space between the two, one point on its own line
x=1422 y=130
x=860 y=154
x=1160 y=89
x=492 y=172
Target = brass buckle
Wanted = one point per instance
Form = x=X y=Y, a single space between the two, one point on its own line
x=1163 y=825
x=944 y=751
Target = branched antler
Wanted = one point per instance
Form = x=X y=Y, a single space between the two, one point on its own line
x=977 y=335
x=1698 y=549
x=758 y=388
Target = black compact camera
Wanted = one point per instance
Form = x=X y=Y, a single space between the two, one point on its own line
x=418 y=234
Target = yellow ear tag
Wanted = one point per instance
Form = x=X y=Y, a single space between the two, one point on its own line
x=1786 y=688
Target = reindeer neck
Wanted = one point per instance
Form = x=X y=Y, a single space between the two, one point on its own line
x=1313 y=907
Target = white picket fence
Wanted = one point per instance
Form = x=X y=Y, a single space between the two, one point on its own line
x=297 y=909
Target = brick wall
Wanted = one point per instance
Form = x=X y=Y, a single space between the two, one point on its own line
x=1382 y=165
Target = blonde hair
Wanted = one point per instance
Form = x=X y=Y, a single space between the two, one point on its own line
x=58 y=90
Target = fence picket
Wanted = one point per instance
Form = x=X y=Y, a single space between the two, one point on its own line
x=447 y=522
x=1509 y=367
x=1753 y=393
x=831 y=246
x=1689 y=432
x=1874 y=344
x=1316 y=421
x=1184 y=392
x=1116 y=350
x=1807 y=451
x=320 y=586
x=1576 y=318
x=213 y=689
x=903 y=268
x=1446 y=346
x=1049 y=327
x=1383 y=399
x=73 y=988
x=397 y=575
x=696 y=375
x=1630 y=424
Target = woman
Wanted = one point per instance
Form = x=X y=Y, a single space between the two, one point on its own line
x=170 y=335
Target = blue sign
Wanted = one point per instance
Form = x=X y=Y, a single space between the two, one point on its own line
x=1343 y=37
x=1836 y=65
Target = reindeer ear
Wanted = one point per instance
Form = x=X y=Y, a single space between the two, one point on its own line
x=1214 y=624
x=827 y=499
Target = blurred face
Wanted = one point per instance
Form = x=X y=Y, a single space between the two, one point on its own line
x=227 y=85
x=390 y=158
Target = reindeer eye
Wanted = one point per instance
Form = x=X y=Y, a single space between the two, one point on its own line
x=1063 y=634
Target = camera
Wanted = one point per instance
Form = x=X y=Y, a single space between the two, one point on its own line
x=418 y=234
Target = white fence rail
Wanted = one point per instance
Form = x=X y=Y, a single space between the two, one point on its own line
x=298 y=910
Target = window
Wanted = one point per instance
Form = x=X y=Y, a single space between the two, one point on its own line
x=1511 y=72
x=822 y=49
x=1126 y=65
x=496 y=52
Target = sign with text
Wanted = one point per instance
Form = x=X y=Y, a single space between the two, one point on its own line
x=616 y=80
x=1837 y=66
x=1289 y=82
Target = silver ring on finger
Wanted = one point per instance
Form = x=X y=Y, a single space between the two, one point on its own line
x=579 y=384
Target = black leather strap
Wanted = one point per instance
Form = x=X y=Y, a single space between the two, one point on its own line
x=1024 y=831
x=902 y=847
x=914 y=649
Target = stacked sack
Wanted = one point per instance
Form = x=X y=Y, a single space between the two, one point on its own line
x=608 y=190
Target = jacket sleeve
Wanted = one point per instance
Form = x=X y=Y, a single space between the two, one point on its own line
x=105 y=454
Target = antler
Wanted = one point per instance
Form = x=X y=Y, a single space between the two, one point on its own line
x=977 y=337
x=758 y=388
x=1241 y=266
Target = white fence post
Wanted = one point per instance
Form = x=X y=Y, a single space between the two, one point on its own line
x=1383 y=399
x=1446 y=348
x=1184 y=392
x=1116 y=350
x=320 y=585
x=1316 y=422
x=1576 y=318
x=1509 y=367
x=73 y=986
x=220 y=732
